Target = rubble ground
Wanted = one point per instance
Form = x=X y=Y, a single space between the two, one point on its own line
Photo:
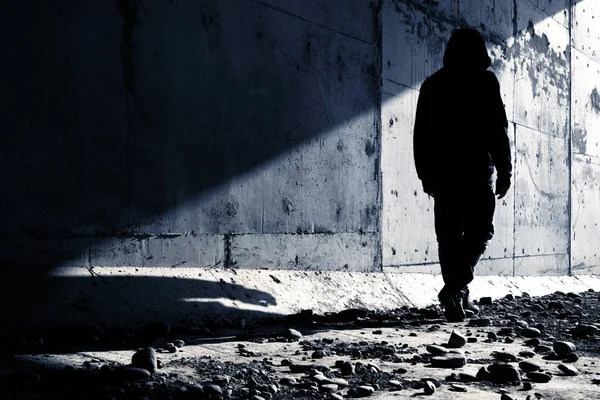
x=518 y=347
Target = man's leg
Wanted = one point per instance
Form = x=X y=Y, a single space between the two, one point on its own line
x=478 y=230
x=448 y=229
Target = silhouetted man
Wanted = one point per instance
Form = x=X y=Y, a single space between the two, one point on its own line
x=460 y=135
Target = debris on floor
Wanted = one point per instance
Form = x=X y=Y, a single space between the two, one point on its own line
x=519 y=347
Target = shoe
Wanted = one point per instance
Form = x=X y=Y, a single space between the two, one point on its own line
x=468 y=304
x=453 y=307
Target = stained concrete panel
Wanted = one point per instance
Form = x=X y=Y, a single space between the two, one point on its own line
x=252 y=121
x=485 y=267
x=494 y=266
x=167 y=251
x=586 y=105
x=62 y=147
x=502 y=244
x=413 y=42
x=356 y=18
x=408 y=231
x=585 y=209
x=556 y=9
x=322 y=252
x=503 y=68
x=546 y=265
x=44 y=252
x=586 y=28
x=541 y=72
x=541 y=190
x=493 y=19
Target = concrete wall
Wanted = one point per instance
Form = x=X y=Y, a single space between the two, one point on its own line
x=545 y=54
x=278 y=134
x=235 y=133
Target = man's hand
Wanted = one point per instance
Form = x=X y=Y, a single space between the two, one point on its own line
x=502 y=187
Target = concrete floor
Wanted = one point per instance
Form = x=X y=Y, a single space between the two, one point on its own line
x=560 y=387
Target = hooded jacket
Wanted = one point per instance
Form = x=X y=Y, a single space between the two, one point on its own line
x=460 y=131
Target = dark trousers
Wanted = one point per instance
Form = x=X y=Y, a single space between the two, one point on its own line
x=463 y=224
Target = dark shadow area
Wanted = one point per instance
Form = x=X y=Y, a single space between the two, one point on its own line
x=115 y=113
x=66 y=314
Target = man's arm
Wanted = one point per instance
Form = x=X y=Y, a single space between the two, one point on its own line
x=421 y=140
x=499 y=144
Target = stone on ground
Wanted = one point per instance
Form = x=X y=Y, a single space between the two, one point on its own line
x=146 y=359
x=456 y=340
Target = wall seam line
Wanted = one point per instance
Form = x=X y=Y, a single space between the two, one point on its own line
x=570 y=141
x=266 y=5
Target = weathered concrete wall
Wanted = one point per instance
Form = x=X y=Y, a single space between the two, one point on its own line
x=585 y=113
x=155 y=133
x=269 y=134
x=547 y=86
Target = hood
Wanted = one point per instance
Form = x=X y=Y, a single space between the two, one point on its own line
x=466 y=50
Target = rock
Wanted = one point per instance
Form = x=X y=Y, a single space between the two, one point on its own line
x=286 y=362
x=479 y=322
x=539 y=377
x=527 y=353
x=543 y=349
x=436 y=382
x=300 y=368
x=529 y=366
x=171 y=348
x=531 y=332
x=505 y=331
x=504 y=356
x=458 y=388
x=347 y=368
x=373 y=367
x=492 y=336
x=527 y=386
x=472 y=340
x=466 y=377
x=131 y=373
x=328 y=388
x=288 y=381
x=483 y=374
x=318 y=354
x=456 y=340
x=568 y=370
x=179 y=343
x=556 y=305
x=429 y=388
x=449 y=360
x=436 y=350
x=485 y=301
x=504 y=373
x=146 y=359
x=221 y=379
x=584 y=330
x=337 y=381
x=293 y=334
x=533 y=342
x=364 y=391
x=563 y=348
x=395 y=383
x=506 y=397
x=213 y=391
x=571 y=357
